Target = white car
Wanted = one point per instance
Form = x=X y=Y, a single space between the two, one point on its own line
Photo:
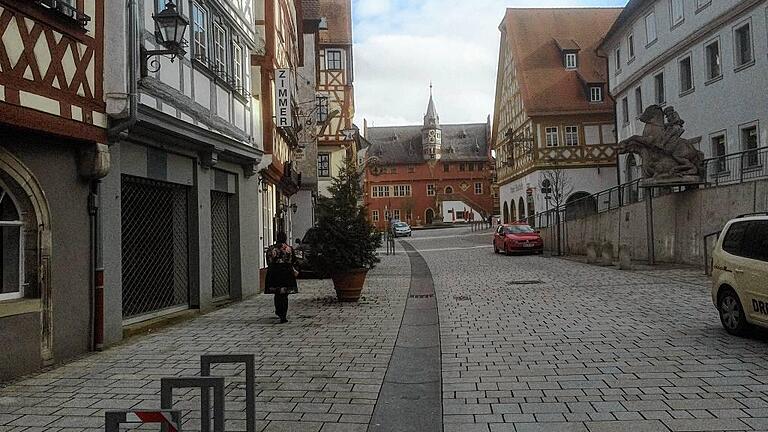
x=740 y=273
x=401 y=229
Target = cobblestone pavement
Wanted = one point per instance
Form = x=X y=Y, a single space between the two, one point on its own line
x=320 y=372
x=531 y=343
x=528 y=343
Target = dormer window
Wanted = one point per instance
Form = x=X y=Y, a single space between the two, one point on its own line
x=570 y=60
x=595 y=94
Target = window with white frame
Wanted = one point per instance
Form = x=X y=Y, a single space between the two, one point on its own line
x=677 y=12
x=658 y=84
x=750 y=143
x=552 y=136
x=631 y=46
x=618 y=60
x=478 y=188
x=333 y=59
x=686 y=75
x=12 y=249
x=430 y=190
x=714 y=60
x=380 y=191
x=571 y=135
x=375 y=215
x=650 y=28
x=639 y=101
x=220 y=49
x=595 y=94
x=742 y=39
x=719 y=151
x=200 y=32
x=402 y=190
x=324 y=165
x=237 y=65
x=396 y=214
x=322 y=108
x=570 y=61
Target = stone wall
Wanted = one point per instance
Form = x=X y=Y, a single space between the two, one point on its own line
x=680 y=222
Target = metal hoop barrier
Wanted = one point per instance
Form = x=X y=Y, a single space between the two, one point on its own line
x=171 y=420
x=249 y=361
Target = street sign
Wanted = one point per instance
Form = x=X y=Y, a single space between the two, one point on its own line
x=546 y=183
x=283 y=108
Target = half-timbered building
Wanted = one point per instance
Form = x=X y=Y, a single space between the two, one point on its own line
x=180 y=207
x=275 y=81
x=336 y=97
x=430 y=173
x=552 y=112
x=52 y=150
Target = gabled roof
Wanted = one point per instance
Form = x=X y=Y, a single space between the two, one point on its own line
x=338 y=15
x=402 y=144
x=536 y=37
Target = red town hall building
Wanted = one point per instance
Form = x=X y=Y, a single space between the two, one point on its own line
x=430 y=173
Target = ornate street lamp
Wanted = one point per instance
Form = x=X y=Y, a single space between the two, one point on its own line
x=170 y=27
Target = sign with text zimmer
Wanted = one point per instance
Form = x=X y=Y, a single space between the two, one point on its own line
x=283 y=107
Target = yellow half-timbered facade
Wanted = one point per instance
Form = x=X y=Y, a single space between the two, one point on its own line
x=335 y=90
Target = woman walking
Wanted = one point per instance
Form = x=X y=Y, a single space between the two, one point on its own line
x=281 y=275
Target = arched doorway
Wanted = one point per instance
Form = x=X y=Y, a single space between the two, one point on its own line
x=506 y=212
x=25 y=220
x=579 y=205
x=521 y=209
x=512 y=210
x=429 y=216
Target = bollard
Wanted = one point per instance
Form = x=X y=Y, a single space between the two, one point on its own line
x=206 y=361
x=607 y=254
x=205 y=384
x=593 y=249
x=625 y=257
x=169 y=419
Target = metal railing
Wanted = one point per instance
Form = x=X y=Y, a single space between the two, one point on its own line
x=724 y=170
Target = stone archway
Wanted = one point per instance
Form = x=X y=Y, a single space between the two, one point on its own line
x=35 y=214
x=521 y=209
x=512 y=211
x=580 y=204
x=429 y=216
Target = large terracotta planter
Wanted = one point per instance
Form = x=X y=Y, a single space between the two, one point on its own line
x=349 y=284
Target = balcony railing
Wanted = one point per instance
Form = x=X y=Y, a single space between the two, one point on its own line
x=65 y=8
x=723 y=170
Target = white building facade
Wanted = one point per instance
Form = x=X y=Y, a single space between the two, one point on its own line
x=180 y=208
x=706 y=58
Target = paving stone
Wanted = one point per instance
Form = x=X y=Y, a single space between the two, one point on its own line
x=705 y=425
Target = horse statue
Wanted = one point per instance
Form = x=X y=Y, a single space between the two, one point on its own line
x=667 y=158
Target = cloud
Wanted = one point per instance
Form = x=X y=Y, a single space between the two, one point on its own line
x=402 y=45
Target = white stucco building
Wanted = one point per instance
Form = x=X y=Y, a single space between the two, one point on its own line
x=706 y=58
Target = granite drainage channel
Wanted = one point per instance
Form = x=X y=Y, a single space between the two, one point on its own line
x=411 y=394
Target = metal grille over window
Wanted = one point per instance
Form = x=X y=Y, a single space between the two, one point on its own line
x=220 y=233
x=155 y=247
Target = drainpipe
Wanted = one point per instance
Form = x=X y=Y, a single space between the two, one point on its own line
x=96 y=296
x=121 y=129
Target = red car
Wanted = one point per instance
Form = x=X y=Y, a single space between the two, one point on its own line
x=517 y=238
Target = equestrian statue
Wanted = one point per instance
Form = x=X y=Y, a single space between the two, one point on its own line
x=667 y=157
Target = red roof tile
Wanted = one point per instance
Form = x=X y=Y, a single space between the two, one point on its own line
x=536 y=37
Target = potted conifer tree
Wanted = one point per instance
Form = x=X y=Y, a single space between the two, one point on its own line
x=345 y=243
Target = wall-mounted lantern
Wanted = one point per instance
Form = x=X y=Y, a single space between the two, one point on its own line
x=170 y=27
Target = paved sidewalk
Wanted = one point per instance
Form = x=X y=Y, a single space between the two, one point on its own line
x=320 y=372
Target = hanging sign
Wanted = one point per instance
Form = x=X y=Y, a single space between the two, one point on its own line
x=283 y=106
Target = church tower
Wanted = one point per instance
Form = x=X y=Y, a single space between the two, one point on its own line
x=431 y=134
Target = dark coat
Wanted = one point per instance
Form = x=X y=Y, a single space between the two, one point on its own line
x=281 y=273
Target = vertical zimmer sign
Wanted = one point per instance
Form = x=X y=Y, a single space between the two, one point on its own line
x=283 y=97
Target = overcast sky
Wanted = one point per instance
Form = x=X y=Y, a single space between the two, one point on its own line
x=402 y=45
